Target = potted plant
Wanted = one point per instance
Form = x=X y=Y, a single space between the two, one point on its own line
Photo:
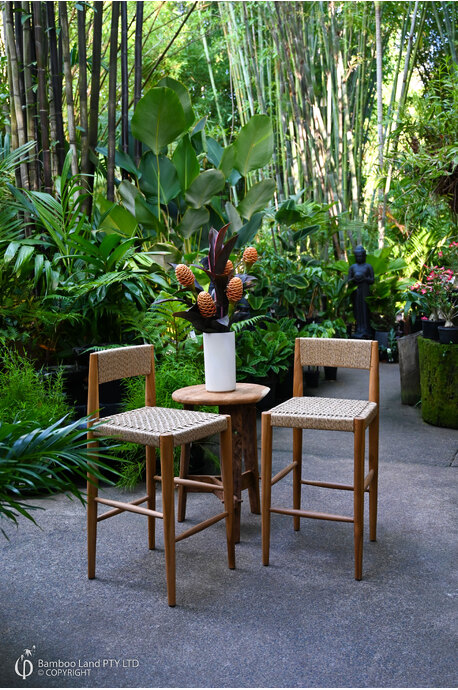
x=213 y=311
x=437 y=297
x=329 y=328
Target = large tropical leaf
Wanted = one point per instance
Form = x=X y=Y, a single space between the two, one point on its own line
x=116 y=218
x=254 y=145
x=206 y=185
x=256 y=198
x=185 y=161
x=193 y=219
x=248 y=231
x=159 y=178
x=183 y=94
x=159 y=118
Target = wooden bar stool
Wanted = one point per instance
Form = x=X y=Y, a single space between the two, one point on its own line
x=353 y=416
x=154 y=427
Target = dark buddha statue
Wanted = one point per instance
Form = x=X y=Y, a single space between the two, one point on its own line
x=362 y=275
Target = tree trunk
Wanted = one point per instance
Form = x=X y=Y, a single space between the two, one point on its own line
x=115 y=6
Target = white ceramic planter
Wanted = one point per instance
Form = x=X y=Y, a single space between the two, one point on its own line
x=219 y=359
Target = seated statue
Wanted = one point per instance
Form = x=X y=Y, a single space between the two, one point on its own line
x=362 y=275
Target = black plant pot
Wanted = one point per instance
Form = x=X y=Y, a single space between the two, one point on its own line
x=330 y=373
x=430 y=329
x=312 y=378
x=448 y=334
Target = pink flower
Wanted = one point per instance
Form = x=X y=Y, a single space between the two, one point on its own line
x=423 y=292
x=424 y=318
x=440 y=254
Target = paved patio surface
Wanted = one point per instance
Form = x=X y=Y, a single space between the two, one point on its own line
x=302 y=622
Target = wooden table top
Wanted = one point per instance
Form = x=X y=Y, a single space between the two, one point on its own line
x=244 y=394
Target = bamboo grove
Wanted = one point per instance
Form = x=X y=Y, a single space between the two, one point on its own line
x=334 y=78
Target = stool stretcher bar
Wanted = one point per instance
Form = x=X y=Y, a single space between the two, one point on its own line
x=310 y=514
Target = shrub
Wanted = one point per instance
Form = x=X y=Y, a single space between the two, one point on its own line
x=27 y=395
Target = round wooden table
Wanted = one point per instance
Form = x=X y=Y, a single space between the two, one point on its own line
x=240 y=404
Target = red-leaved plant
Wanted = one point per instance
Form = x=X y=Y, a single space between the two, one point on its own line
x=214 y=311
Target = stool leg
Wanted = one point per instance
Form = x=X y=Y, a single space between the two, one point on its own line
x=228 y=488
x=297 y=475
x=168 y=511
x=358 y=495
x=250 y=455
x=266 y=479
x=184 y=471
x=373 y=488
x=92 y=492
x=151 y=493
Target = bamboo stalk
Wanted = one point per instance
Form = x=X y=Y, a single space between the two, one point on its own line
x=56 y=85
x=94 y=101
x=115 y=7
x=82 y=89
x=42 y=94
x=138 y=69
x=21 y=132
x=124 y=85
x=63 y=17
x=30 y=102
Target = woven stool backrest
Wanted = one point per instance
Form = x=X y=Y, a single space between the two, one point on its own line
x=335 y=352
x=123 y=362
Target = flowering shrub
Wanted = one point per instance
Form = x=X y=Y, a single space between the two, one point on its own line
x=214 y=311
x=449 y=257
x=436 y=296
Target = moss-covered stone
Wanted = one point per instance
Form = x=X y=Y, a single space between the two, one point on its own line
x=439 y=383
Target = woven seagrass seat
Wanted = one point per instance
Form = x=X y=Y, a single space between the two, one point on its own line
x=332 y=414
x=154 y=427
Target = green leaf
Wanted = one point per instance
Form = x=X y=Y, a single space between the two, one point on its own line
x=205 y=185
x=10 y=252
x=254 y=145
x=158 y=119
x=185 y=161
x=128 y=193
x=227 y=162
x=297 y=281
x=159 y=178
x=248 y=231
x=214 y=151
x=304 y=232
x=288 y=213
x=183 y=94
x=117 y=218
x=22 y=257
x=122 y=160
x=256 y=198
x=192 y=220
x=233 y=217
